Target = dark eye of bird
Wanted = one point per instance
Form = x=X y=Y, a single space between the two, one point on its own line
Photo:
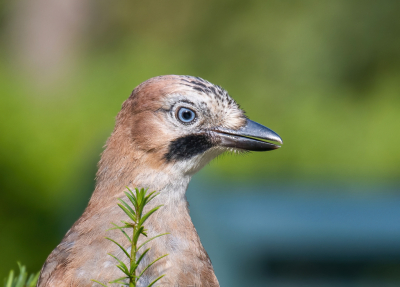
x=186 y=115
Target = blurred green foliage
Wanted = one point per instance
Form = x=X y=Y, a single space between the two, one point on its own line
x=323 y=74
x=22 y=280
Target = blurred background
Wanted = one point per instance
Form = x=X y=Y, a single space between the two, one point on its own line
x=324 y=210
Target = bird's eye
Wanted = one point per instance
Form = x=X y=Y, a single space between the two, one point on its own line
x=186 y=115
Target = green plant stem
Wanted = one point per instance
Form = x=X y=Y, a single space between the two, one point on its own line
x=138 y=201
x=132 y=280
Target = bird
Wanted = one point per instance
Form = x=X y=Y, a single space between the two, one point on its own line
x=167 y=130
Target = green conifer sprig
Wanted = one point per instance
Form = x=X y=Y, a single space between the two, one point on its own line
x=22 y=280
x=138 y=199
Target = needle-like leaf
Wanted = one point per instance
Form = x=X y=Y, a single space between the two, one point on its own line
x=127 y=206
x=10 y=279
x=119 y=245
x=33 y=278
x=151 y=239
x=148 y=266
x=151 y=197
x=155 y=280
x=22 y=276
x=131 y=215
x=141 y=256
x=131 y=198
x=123 y=231
x=119 y=280
x=144 y=218
x=98 y=282
x=121 y=264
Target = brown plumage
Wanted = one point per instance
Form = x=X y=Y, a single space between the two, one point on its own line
x=167 y=130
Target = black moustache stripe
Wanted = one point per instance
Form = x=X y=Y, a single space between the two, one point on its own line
x=188 y=146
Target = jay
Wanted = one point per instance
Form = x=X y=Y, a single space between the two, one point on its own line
x=166 y=131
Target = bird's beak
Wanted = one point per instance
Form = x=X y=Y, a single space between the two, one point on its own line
x=248 y=137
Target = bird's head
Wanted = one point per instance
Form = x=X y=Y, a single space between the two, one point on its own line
x=181 y=122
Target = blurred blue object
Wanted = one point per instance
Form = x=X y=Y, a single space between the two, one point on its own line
x=289 y=236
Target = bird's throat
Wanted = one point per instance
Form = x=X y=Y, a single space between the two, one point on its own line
x=84 y=250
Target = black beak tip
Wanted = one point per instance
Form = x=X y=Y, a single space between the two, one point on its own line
x=276 y=146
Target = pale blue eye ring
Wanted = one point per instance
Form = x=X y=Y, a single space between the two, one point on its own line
x=186 y=115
